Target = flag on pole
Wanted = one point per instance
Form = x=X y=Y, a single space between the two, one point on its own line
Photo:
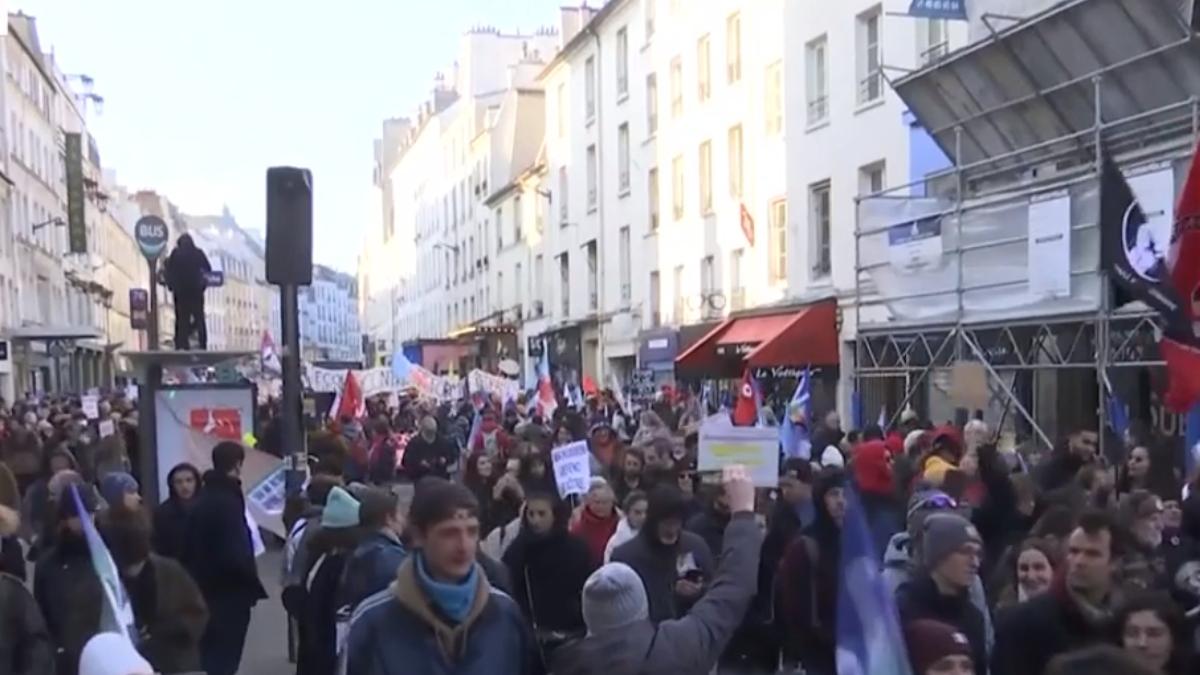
x=882 y=421
x=793 y=432
x=856 y=410
x=745 y=410
x=268 y=357
x=1191 y=443
x=117 y=613
x=350 y=402
x=547 y=402
x=869 y=640
x=1118 y=418
x=401 y=366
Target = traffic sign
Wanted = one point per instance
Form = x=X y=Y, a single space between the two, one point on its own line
x=151 y=235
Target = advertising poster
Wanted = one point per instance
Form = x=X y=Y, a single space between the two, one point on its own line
x=1050 y=245
x=916 y=246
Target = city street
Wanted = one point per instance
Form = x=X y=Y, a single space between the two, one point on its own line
x=266 y=643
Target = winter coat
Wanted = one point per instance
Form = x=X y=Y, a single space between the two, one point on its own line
x=371 y=567
x=595 y=532
x=500 y=538
x=177 y=615
x=898 y=569
x=1029 y=634
x=689 y=645
x=548 y=574
x=185 y=269
x=623 y=534
x=70 y=598
x=219 y=552
x=921 y=599
x=317 y=616
x=806 y=586
x=171 y=527
x=709 y=525
x=783 y=526
x=25 y=644
x=659 y=567
x=428 y=458
x=399 y=627
x=1058 y=470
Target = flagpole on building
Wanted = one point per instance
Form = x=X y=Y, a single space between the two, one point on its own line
x=1105 y=297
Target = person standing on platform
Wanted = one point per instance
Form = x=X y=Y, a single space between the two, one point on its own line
x=185 y=273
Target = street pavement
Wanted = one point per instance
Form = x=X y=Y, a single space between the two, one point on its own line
x=266 y=642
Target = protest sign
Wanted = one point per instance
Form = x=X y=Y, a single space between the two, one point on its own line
x=91 y=406
x=107 y=428
x=756 y=448
x=572 y=468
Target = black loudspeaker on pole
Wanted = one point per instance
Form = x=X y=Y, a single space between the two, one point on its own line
x=289 y=265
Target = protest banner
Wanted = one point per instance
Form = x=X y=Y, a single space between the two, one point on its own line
x=91 y=406
x=572 y=468
x=756 y=448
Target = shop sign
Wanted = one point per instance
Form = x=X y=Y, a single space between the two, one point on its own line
x=916 y=246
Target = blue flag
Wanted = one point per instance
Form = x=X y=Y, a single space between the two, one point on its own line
x=1191 y=443
x=401 y=366
x=116 y=615
x=793 y=435
x=869 y=639
x=857 y=418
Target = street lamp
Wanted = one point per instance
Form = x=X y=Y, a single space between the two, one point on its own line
x=56 y=221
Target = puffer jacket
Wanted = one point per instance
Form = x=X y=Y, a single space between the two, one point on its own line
x=685 y=646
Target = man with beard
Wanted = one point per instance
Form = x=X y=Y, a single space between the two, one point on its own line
x=675 y=565
x=428 y=453
x=630 y=477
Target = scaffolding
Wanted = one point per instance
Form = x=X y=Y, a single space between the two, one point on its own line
x=1023 y=116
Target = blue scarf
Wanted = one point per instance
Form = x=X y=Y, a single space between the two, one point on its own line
x=454 y=600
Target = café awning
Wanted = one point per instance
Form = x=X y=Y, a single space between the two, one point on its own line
x=794 y=336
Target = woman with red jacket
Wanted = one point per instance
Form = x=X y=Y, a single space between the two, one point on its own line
x=597 y=520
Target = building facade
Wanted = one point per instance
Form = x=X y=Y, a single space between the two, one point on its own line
x=329 y=325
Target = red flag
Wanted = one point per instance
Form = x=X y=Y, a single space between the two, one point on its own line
x=1180 y=345
x=745 y=410
x=351 y=402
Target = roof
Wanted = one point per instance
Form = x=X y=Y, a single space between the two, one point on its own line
x=24 y=28
x=1029 y=89
x=578 y=39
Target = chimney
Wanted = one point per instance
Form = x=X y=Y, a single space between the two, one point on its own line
x=572 y=22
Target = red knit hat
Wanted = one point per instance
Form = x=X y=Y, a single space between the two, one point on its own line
x=872 y=473
x=931 y=641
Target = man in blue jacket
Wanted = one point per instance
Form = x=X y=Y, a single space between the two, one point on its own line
x=373 y=565
x=441 y=616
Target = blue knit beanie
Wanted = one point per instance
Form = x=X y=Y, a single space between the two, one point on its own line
x=341 y=510
x=114 y=486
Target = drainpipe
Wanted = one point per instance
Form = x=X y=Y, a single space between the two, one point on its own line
x=601 y=270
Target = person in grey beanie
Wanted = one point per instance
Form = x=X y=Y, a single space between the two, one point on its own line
x=621 y=640
x=951 y=551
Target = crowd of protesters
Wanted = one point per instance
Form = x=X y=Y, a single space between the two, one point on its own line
x=1010 y=563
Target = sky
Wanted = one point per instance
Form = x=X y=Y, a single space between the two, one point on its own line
x=201 y=97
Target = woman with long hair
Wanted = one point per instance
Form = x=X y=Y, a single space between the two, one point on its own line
x=479 y=476
x=1025 y=573
x=1149 y=467
x=1151 y=627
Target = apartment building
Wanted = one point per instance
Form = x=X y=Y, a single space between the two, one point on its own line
x=329 y=328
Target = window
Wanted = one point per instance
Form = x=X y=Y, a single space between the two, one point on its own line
x=870 y=79
x=737 y=294
x=933 y=41
x=539 y=216
x=500 y=228
x=733 y=48
x=735 y=161
x=677 y=187
x=518 y=287
x=819 y=226
x=773 y=106
x=655 y=300
x=623 y=159
x=564 y=282
x=703 y=69
x=705 y=164
x=561 y=97
x=589 y=74
x=676 y=87
x=500 y=290
x=593 y=275
x=539 y=265
x=777 y=241
x=817 y=81
x=516 y=220
x=625 y=266
x=677 y=279
x=591 y=178
x=562 y=196
x=650 y=15
x=622 y=62
x=707 y=278
x=652 y=191
x=872 y=178
x=651 y=104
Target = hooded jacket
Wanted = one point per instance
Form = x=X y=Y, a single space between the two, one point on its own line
x=877 y=491
x=660 y=566
x=371 y=567
x=219 y=553
x=186 y=267
x=921 y=599
x=171 y=518
x=686 y=646
x=548 y=571
x=399 y=627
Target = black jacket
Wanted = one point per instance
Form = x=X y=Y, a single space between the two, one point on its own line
x=658 y=567
x=70 y=597
x=185 y=269
x=25 y=646
x=219 y=552
x=171 y=528
x=548 y=574
x=421 y=457
x=1028 y=635
x=710 y=525
x=921 y=599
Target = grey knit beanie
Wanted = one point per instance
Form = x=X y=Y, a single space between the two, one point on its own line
x=613 y=596
x=943 y=534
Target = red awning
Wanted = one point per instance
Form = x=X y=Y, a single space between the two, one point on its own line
x=795 y=337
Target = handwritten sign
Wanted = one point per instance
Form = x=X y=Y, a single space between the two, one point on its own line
x=572 y=468
x=91 y=406
x=756 y=448
x=107 y=428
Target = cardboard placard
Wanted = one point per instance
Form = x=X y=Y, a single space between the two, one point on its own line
x=572 y=468
x=969 y=385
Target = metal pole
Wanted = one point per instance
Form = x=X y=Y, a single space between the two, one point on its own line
x=292 y=404
x=152 y=325
x=148 y=426
x=1003 y=386
x=1102 y=311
